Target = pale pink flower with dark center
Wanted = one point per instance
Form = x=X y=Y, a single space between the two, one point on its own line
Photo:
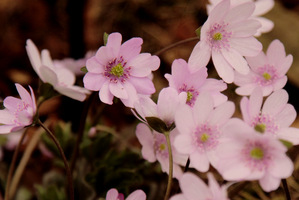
x=245 y=154
x=261 y=8
x=61 y=78
x=227 y=36
x=18 y=113
x=154 y=147
x=200 y=130
x=268 y=71
x=273 y=117
x=193 y=188
x=120 y=70
x=113 y=194
x=194 y=83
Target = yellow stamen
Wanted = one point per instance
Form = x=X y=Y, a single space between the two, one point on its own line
x=257 y=153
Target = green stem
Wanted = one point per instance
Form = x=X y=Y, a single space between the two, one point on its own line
x=286 y=189
x=175 y=45
x=67 y=168
x=12 y=166
x=170 y=174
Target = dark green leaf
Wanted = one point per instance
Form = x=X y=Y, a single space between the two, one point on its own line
x=157 y=124
x=286 y=143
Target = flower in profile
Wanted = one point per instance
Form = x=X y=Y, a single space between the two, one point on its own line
x=261 y=8
x=194 y=83
x=268 y=71
x=18 y=113
x=193 y=188
x=227 y=36
x=200 y=130
x=244 y=154
x=274 y=117
x=120 y=70
x=61 y=78
x=113 y=194
x=154 y=147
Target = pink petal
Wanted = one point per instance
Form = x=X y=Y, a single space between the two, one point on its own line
x=199 y=57
x=6 y=117
x=284 y=65
x=94 y=66
x=137 y=195
x=262 y=7
x=219 y=11
x=33 y=104
x=222 y=113
x=269 y=183
x=146 y=107
x=255 y=102
x=143 y=85
x=286 y=117
x=275 y=102
x=280 y=162
x=167 y=104
x=183 y=143
x=235 y=170
x=193 y=187
x=244 y=106
x=46 y=59
x=105 y=95
x=4 y=129
x=236 y=61
x=276 y=51
x=114 y=42
x=47 y=75
x=143 y=64
x=239 y=12
x=246 y=90
x=199 y=161
x=257 y=61
x=11 y=103
x=178 y=197
x=184 y=119
x=103 y=56
x=267 y=25
x=118 y=90
x=248 y=46
x=94 y=81
x=132 y=95
x=290 y=134
x=223 y=68
x=280 y=83
x=145 y=137
x=73 y=92
x=202 y=108
x=112 y=194
x=34 y=56
x=244 y=28
x=131 y=48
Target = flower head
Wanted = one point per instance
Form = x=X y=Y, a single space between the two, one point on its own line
x=268 y=71
x=120 y=70
x=113 y=194
x=273 y=117
x=200 y=130
x=154 y=147
x=193 y=188
x=18 y=113
x=261 y=7
x=245 y=154
x=194 y=83
x=61 y=78
x=227 y=36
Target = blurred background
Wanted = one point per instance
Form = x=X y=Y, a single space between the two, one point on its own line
x=68 y=29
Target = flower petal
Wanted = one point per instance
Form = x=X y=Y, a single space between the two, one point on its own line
x=143 y=64
x=199 y=57
x=223 y=68
x=114 y=42
x=105 y=95
x=94 y=81
x=131 y=48
x=137 y=195
x=118 y=90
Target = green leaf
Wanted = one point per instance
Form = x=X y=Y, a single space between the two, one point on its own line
x=84 y=69
x=286 y=143
x=197 y=31
x=105 y=38
x=157 y=124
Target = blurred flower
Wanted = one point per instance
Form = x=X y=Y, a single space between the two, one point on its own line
x=113 y=194
x=227 y=36
x=18 y=113
x=193 y=188
x=244 y=154
x=154 y=147
x=200 y=130
x=61 y=78
x=268 y=71
x=261 y=8
x=120 y=70
x=194 y=83
x=273 y=117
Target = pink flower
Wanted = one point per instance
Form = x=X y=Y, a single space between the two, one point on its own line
x=120 y=70
x=227 y=36
x=113 y=194
x=268 y=71
x=261 y=8
x=154 y=147
x=193 y=188
x=194 y=83
x=200 y=130
x=168 y=101
x=18 y=113
x=245 y=154
x=60 y=78
x=274 y=117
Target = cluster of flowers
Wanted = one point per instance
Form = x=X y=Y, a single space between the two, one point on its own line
x=192 y=111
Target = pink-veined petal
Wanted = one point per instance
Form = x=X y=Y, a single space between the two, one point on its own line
x=118 y=90
x=199 y=57
x=137 y=195
x=239 y=12
x=223 y=68
x=94 y=81
x=131 y=48
x=114 y=42
x=143 y=64
x=112 y=194
x=105 y=95
x=48 y=75
x=237 y=61
x=202 y=108
x=275 y=102
x=248 y=46
x=269 y=183
x=145 y=137
x=222 y=113
x=183 y=143
x=34 y=56
x=143 y=85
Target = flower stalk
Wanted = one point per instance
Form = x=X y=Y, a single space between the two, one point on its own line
x=170 y=175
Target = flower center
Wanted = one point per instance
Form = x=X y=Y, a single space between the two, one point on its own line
x=192 y=93
x=204 y=137
x=260 y=127
x=257 y=153
x=117 y=70
x=189 y=96
x=267 y=76
x=217 y=36
x=162 y=147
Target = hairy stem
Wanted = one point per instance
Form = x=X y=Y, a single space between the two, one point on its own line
x=175 y=45
x=12 y=166
x=170 y=174
x=67 y=168
x=286 y=189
